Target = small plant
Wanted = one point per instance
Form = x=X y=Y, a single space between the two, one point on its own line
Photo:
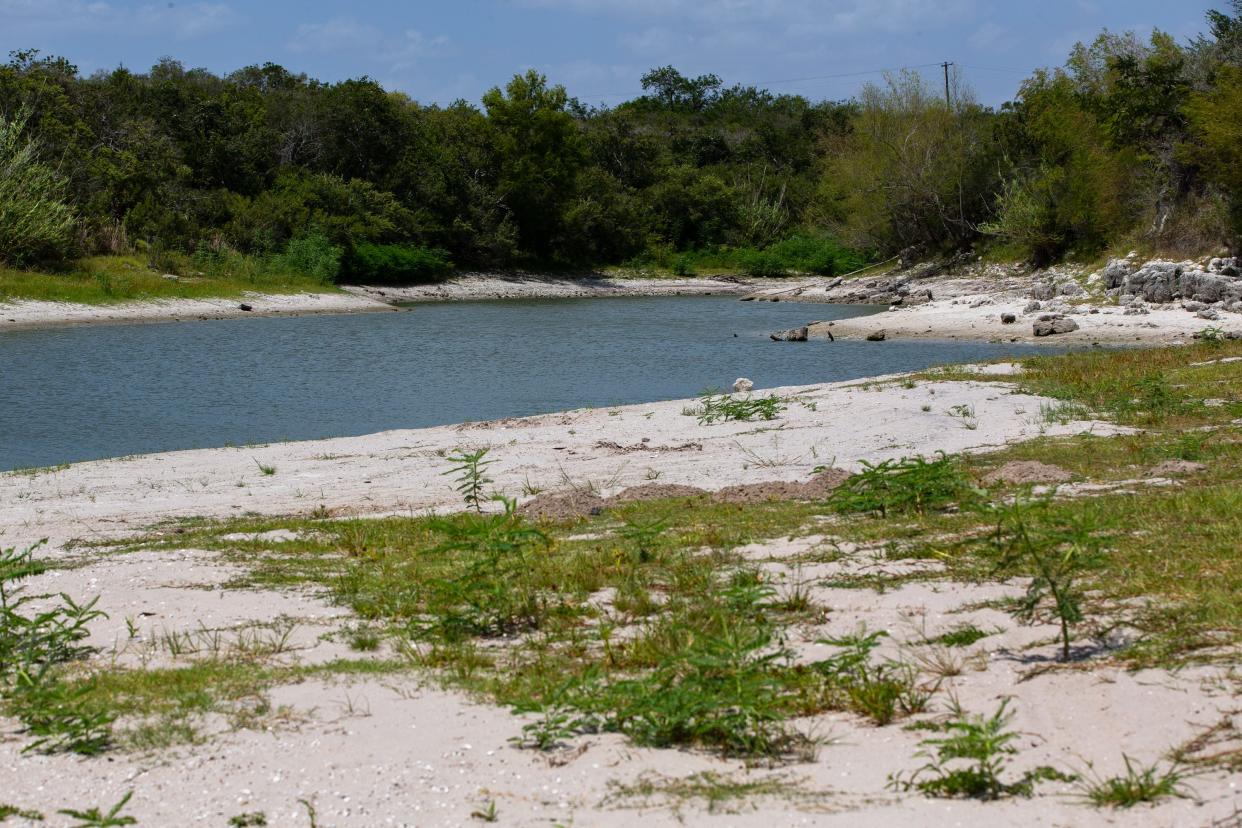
x=7 y=811
x=470 y=468
x=1057 y=555
x=909 y=485
x=364 y=639
x=881 y=691
x=248 y=820
x=962 y=636
x=971 y=761
x=642 y=536
x=967 y=415
x=267 y=471
x=1211 y=335
x=723 y=407
x=487 y=813
x=94 y=818
x=1137 y=785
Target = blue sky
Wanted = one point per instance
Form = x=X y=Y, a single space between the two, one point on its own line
x=439 y=51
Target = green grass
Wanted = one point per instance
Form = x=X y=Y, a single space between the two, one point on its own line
x=1139 y=784
x=716 y=793
x=103 y=280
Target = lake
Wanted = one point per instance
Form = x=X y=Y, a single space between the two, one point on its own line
x=72 y=394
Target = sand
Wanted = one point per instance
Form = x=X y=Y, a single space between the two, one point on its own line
x=393 y=751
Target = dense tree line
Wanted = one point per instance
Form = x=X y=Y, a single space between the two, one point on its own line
x=1130 y=141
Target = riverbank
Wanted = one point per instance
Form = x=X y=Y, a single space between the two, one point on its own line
x=257 y=668
x=24 y=314
x=1127 y=302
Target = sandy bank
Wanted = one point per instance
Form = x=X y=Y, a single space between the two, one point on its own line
x=532 y=286
x=27 y=314
x=402 y=470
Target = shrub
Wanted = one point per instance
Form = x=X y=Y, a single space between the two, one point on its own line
x=34 y=219
x=909 y=485
x=312 y=254
x=760 y=263
x=821 y=255
x=396 y=264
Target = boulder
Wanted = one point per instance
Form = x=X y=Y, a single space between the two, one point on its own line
x=791 y=335
x=1115 y=272
x=243 y=306
x=1031 y=307
x=1008 y=318
x=1049 y=326
x=877 y=336
x=741 y=385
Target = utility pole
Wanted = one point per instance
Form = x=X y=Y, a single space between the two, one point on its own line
x=947 y=102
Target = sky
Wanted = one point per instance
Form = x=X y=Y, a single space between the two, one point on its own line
x=438 y=52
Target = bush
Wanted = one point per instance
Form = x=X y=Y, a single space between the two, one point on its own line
x=822 y=255
x=312 y=255
x=396 y=264
x=760 y=263
x=35 y=222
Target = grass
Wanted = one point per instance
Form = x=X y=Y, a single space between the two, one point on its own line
x=1139 y=784
x=104 y=280
x=717 y=793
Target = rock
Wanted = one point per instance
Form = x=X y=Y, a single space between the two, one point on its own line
x=1136 y=309
x=1208 y=314
x=1115 y=272
x=1070 y=288
x=1008 y=318
x=243 y=306
x=877 y=336
x=172 y=277
x=741 y=384
x=1193 y=306
x=1023 y=472
x=1031 y=307
x=791 y=335
x=1055 y=325
x=1175 y=468
x=1043 y=290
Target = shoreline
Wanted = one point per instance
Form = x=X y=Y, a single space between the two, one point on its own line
x=29 y=314
x=611 y=448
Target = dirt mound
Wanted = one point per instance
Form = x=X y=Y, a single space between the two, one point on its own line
x=762 y=492
x=557 y=506
x=822 y=484
x=658 y=491
x=1022 y=472
x=1175 y=468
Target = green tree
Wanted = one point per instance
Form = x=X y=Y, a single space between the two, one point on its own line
x=541 y=150
x=35 y=222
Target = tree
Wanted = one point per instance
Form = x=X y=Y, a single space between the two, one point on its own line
x=35 y=222
x=541 y=150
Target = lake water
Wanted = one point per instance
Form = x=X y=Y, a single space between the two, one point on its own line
x=74 y=394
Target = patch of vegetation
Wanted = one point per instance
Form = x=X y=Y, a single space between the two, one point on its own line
x=716 y=793
x=911 y=485
x=972 y=760
x=1139 y=784
x=33 y=647
x=97 y=818
x=962 y=636
x=723 y=407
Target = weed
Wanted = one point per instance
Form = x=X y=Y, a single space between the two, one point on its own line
x=971 y=761
x=961 y=636
x=247 y=820
x=363 y=639
x=714 y=408
x=967 y=414
x=882 y=691
x=718 y=792
x=7 y=811
x=1139 y=784
x=267 y=471
x=1056 y=555
x=911 y=485
x=470 y=468
x=486 y=813
x=94 y=818
x=642 y=535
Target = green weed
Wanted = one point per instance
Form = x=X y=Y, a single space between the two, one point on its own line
x=1138 y=784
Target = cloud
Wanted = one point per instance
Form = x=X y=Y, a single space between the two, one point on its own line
x=395 y=51
x=190 y=20
x=177 y=20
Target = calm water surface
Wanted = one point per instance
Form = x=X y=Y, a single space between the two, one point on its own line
x=75 y=394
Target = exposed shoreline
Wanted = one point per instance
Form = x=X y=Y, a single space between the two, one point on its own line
x=24 y=314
